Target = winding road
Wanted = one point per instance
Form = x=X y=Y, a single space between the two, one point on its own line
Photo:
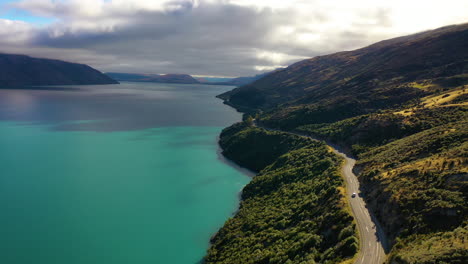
x=371 y=236
x=372 y=239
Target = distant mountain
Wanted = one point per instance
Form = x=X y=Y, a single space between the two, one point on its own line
x=157 y=78
x=210 y=80
x=129 y=77
x=185 y=78
x=240 y=81
x=21 y=70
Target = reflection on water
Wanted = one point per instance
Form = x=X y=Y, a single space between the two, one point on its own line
x=128 y=106
x=113 y=174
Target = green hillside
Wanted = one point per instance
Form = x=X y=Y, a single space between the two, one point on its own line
x=293 y=211
x=400 y=106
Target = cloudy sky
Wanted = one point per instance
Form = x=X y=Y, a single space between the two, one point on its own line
x=209 y=37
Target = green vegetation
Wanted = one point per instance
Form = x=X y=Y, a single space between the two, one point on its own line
x=263 y=148
x=371 y=130
x=400 y=106
x=417 y=184
x=293 y=211
x=414 y=172
x=442 y=247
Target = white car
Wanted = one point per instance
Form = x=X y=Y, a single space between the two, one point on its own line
x=353 y=195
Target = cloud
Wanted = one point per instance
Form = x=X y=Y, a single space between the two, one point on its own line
x=13 y=32
x=213 y=37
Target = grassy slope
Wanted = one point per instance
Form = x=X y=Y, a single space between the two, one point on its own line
x=440 y=247
x=293 y=211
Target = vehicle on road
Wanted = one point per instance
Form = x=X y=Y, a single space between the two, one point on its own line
x=353 y=195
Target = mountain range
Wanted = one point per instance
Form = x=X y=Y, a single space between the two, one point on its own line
x=183 y=78
x=156 y=78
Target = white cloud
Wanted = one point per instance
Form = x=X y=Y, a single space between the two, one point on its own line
x=215 y=37
x=14 y=32
x=97 y=8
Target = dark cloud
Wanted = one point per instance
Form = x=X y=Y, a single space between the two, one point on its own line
x=213 y=39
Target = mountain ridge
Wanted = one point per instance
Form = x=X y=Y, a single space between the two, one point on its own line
x=184 y=78
x=372 y=71
x=22 y=70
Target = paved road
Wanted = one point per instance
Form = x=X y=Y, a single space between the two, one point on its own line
x=372 y=237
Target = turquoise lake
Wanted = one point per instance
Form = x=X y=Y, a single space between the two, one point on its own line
x=113 y=174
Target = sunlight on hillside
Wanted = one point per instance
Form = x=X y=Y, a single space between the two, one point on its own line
x=440 y=100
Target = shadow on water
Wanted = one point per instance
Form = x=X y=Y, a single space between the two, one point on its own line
x=231 y=163
x=42 y=88
x=123 y=107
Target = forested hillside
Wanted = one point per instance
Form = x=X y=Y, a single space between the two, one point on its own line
x=400 y=106
x=293 y=211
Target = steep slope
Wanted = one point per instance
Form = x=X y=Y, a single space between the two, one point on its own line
x=293 y=211
x=401 y=107
x=164 y=78
x=361 y=81
x=20 y=70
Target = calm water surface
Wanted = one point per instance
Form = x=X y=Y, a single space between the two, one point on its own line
x=113 y=174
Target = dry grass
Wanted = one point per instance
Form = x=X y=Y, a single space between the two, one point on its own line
x=424 y=85
x=437 y=100
x=430 y=164
x=440 y=248
x=349 y=261
x=405 y=112
x=440 y=100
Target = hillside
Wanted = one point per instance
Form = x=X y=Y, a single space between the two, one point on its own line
x=400 y=106
x=349 y=83
x=20 y=70
x=293 y=211
x=157 y=78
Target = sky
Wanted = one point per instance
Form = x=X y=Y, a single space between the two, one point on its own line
x=209 y=37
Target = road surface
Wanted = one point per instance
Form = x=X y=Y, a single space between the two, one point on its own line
x=372 y=239
x=371 y=236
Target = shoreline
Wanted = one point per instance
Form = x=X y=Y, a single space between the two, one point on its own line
x=341 y=151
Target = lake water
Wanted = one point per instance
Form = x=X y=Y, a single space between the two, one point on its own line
x=113 y=174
